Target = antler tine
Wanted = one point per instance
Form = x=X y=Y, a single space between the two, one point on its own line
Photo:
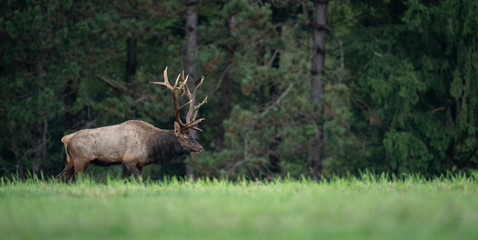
x=197 y=87
x=196 y=122
x=165 y=77
x=165 y=81
x=177 y=80
x=192 y=102
x=185 y=81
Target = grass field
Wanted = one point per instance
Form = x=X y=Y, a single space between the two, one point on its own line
x=366 y=208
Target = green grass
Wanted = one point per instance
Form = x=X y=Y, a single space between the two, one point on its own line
x=369 y=208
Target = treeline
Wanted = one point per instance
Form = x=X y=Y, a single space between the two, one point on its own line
x=294 y=87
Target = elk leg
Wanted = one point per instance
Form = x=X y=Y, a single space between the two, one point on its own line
x=67 y=173
x=140 y=170
x=80 y=167
x=130 y=169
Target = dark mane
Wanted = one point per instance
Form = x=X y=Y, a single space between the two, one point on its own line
x=165 y=147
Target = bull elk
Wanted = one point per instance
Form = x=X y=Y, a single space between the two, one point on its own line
x=134 y=143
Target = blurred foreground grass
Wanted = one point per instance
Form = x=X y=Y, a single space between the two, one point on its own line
x=366 y=208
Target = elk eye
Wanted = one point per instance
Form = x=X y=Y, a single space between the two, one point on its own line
x=185 y=138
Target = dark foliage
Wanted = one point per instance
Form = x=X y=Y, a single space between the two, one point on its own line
x=400 y=85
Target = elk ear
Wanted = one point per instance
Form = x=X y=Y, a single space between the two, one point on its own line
x=177 y=129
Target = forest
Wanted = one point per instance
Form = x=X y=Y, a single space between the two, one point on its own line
x=294 y=88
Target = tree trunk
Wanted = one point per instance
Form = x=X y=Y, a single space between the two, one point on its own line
x=226 y=89
x=262 y=95
x=43 y=129
x=191 y=40
x=190 y=55
x=274 y=160
x=16 y=151
x=131 y=61
x=225 y=109
x=44 y=145
x=316 y=151
x=69 y=98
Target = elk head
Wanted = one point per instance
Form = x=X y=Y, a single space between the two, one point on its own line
x=182 y=130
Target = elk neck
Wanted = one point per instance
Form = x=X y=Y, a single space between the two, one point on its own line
x=166 y=147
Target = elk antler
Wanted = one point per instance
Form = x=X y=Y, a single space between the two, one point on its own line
x=193 y=109
x=175 y=90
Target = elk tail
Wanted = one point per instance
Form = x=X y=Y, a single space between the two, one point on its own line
x=66 y=138
x=68 y=172
x=65 y=141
